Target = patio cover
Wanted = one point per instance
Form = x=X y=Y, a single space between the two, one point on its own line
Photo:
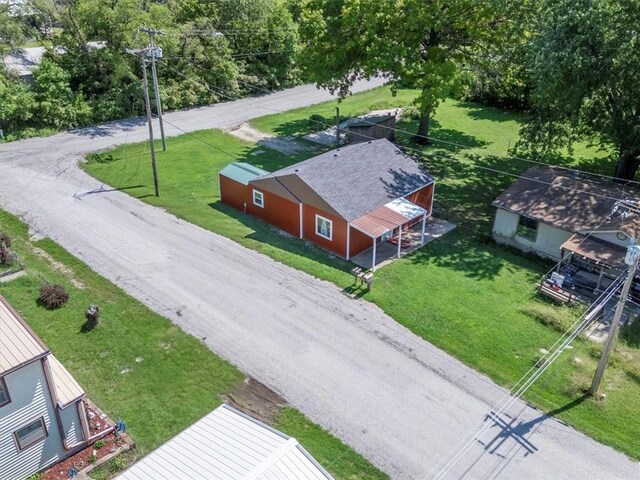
x=384 y=219
x=596 y=250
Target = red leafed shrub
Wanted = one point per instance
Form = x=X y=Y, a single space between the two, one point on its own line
x=6 y=239
x=53 y=296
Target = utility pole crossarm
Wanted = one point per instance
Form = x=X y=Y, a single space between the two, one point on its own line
x=155 y=52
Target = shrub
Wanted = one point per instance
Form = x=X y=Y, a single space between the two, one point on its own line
x=411 y=112
x=7 y=257
x=53 y=296
x=6 y=239
x=99 y=444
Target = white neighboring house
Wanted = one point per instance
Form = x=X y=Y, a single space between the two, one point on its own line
x=228 y=445
x=42 y=415
x=557 y=212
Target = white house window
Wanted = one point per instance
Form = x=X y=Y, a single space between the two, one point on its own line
x=324 y=227
x=30 y=434
x=258 y=198
x=528 y=228
x=4 y=393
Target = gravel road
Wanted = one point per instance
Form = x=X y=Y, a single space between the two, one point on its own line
x=398 y=400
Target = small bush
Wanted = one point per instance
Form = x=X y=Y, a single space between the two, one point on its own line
x=92 y=459
x=53 y=296
x=7 y=257
x=6 y=239
x=411 y=112
x=99 y=444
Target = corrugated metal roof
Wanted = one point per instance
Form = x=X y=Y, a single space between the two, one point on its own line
x=390 y=216
x=369 y=121
x=228 y=445
x=66 y=387
x=242 y=172
x=18 y=343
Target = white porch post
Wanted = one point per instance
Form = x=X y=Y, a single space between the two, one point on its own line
x=301 y=226
x=348 y=239
x=399 y=239
x=424 y=226
x=373 y=261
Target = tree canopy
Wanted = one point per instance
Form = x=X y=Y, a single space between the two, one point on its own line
x=416 y=43
x=584 y=70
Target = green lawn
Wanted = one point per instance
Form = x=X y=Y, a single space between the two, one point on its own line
x=470 y=297
x=137 y=365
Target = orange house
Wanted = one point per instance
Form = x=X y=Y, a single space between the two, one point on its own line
x=346 y=200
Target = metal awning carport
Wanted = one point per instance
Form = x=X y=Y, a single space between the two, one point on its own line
x=228 y=445
x=598 y=251
x=387 y=218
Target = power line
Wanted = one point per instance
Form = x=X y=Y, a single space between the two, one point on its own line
x=594 y=230
x=586 y=319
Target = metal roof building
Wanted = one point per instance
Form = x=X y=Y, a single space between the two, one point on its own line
x=228 y=445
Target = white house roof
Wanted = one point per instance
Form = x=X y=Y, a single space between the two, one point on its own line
x=228 y=445
x=66 y=388
x=18 y=343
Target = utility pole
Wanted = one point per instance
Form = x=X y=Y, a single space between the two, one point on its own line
x=155 y=52
x=632 y=259
x=338 y=125
x=148 y=105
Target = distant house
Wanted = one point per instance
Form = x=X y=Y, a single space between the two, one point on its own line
x=346 y=200
x=228 y=445
x=22 y=62
x=557 y=212
x=42 y=417
x=372 y=127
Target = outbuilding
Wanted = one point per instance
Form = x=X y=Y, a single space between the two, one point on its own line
x=228 y=445
x=346 y=200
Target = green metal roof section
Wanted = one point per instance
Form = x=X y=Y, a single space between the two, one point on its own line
x=242 y=172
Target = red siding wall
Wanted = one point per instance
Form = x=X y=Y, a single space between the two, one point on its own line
x=423 y=197
x=359 y=242
x=338 y=244
x=277 y=211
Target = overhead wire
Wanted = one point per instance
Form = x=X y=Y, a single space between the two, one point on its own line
x=516 y=302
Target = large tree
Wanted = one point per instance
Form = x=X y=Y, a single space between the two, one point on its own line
x=416 y=43
x=584 y=68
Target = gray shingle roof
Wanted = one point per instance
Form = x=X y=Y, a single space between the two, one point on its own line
x=357 y=179
x=570 y=200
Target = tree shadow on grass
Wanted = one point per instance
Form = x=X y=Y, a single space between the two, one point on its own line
x=271 y=160
x=304 y=126
x=264 y=233
x=478 y=111
x=449 y=139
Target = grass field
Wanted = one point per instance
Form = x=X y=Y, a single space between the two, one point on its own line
x=137 y=365
x=470 y=297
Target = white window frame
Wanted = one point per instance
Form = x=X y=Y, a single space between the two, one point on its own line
x=320 y=234
x=35 y=439
x=261 y=196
